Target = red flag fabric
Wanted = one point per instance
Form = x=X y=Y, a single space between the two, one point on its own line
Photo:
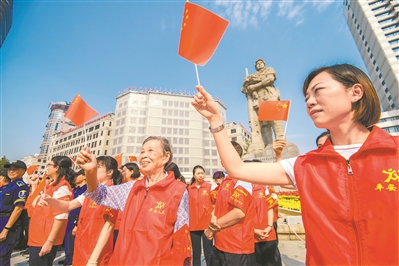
x=79 y=112
x=132 y=158
x=274 y=110
x=31 y=169
x=201 y=33
x=118 y=158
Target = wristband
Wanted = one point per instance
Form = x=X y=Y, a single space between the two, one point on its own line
x=216 y=129
x=7 y=228
x=270 y=226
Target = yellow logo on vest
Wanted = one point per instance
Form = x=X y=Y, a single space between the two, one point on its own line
x=159 y=208
x=204 y=193
x=236 y=197
x=391 y=176
x=226 y=187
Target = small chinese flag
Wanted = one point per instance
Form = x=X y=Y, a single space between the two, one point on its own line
x=118 y=158
x=274 y=110
x=201 y=33
x=31 y=169
x=40 y=187
x=132 y=158
x=79 y=112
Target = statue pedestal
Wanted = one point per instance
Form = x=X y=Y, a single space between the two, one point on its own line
x=268 y=155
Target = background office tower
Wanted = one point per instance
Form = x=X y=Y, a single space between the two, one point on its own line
x=6 y=10
x=56 y=122
x=139 y=114
x=375 y=28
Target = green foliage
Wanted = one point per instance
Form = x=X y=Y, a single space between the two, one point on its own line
x=246 y=147
x=3 y=161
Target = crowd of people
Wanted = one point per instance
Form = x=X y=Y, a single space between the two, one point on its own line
x=105 y=215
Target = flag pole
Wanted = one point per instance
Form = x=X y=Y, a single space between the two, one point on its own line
x=288 y=116
x=196 y=72
x=84 y=129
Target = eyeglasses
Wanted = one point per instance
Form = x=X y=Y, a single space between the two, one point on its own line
x=50 y=164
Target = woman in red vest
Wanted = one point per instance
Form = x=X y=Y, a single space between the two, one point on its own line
x=201 y=208
x=349 y=186
x=154 y=228
x=47 y=225
x=94 y=235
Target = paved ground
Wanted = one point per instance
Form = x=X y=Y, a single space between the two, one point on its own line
x=292 y=253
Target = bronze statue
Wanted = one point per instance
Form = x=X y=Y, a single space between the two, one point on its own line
x=259 y=87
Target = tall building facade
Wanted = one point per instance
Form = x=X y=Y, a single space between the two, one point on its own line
x=374 y=25
x=239 y=133
x=97 y=137
x=6 y=10
x=140 y=114
x=56 y=122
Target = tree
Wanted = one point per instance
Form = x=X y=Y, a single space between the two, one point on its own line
x=3 y=161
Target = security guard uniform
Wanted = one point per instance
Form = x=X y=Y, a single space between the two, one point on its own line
x=11 y=195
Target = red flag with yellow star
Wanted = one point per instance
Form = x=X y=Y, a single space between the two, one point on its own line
x=79 y=112
x=132 y=158
x=201 y=33
x=118 y=159
x=31 y=169
x=274 y=110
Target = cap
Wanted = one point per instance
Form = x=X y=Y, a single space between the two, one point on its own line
x=16 y=164
x=218 y=174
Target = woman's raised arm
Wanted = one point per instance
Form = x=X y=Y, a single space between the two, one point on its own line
x=260 y=173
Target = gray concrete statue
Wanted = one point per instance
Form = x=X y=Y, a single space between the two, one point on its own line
x=259 y=87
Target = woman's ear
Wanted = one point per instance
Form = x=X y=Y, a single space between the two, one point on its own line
x=356 y=92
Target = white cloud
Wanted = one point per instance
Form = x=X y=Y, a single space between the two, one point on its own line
x=243 y=13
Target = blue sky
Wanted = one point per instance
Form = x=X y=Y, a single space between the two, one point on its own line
x=56 y=49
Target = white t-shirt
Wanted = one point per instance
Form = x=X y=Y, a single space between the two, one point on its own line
x=345 y=151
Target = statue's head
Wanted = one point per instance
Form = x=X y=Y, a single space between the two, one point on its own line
x=259 y=64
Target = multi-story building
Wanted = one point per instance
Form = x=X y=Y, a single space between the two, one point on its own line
x=140 y=114
x=239 y=133
x=6 y=8
x=35 y=160
x=390 y=122
x=95 y=134
x=56 y=123
x=375 y=27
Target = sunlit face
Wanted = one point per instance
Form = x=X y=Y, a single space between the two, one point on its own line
x=126 y=173
x=152 y=157
x=80 y=178
x=218 y=181
x=321 y=141
x=52 y=170
x=199 y=175
x=328 y=102
x=102 y=174
x=14 y=172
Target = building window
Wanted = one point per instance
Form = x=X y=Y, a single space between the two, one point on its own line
x=233 y=131
x=380 y=75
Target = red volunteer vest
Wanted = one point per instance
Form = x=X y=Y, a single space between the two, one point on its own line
x=262 y=206
x=214 y=195
x=91 y=222
x=42 y=219
x=350 y=208
x=238 y=239
x=200 y=206
x=146 y=231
